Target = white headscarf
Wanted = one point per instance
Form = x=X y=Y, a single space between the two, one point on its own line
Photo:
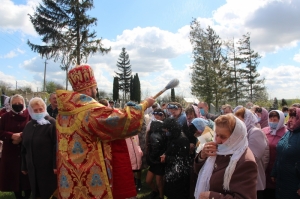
x=41 y=121
x=7 y=104
x=236 y=145
x=250 y=119
x=280 y=123
x=11 y=100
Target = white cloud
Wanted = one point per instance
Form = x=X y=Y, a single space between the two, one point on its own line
x=13 y=82
x=12 y=53
x=15 y=17
x=9 y=55
x=297 y=57
x=273 y=24
x=282 y=82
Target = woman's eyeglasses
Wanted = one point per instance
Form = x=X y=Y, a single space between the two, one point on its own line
x=158 y=113
x=172 y=106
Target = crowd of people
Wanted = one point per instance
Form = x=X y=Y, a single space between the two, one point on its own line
x=77 y=147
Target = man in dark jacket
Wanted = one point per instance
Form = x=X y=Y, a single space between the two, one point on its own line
x=203 y=106
x=52 y=108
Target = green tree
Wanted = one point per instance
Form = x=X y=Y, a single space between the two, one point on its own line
x=124 y=74
x=65 y=30
x=131 y=89
x=210 y=75
x=201 y=70
x=97 y=94
x=283 y=102
x=236 y=84
x=115 y=89
x=250 y=60
x=137 y=88
x=52 y=86
x=4 y=86
x=173 y=98
x=275 y=104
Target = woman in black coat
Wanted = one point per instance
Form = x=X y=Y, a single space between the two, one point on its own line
x=156 y=146
x=39 y=150
x=176 y=160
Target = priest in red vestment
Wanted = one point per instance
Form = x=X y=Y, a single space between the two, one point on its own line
x=92 y=156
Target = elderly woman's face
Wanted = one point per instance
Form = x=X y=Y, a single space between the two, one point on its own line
x=292 y=121
x=17 y=100
x=222 y=134
x=38 y=108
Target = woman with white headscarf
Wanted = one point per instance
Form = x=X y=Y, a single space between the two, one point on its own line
x=274 y=133
x=228 y=168
x=258 y=143
x=39 y=150
x=11 y=127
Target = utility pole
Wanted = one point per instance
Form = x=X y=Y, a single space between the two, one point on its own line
x=45 y=76
x=16 y=85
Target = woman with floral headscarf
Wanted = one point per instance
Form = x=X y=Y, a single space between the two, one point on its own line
x=228 y=168
x=176 y=159
x=274 y=133
x=258 y=143
x=39 y=150
x=286 y=170
x=11 y=127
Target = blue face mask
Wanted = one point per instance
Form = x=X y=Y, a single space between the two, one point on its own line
x=258 y=119
x=222 y=112
x=168 y=133
x=285 y=114
x=38 y=116
x=202 y=111
x=222 y=147
x=273 y=125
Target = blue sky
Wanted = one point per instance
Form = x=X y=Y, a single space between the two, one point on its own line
x=155 y=34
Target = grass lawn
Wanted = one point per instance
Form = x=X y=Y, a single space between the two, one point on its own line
x=7 y=195
x=141 y=195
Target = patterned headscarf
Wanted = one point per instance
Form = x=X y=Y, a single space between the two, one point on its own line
x=297 y=125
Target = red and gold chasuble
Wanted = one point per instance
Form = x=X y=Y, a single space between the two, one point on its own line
x=87 y=155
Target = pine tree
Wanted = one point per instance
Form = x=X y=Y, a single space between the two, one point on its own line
x=219 y=69
x=173 y=95
x=275 y=104
x=210 y=75
x=124 y=76
x=115 y=89
x=137 y=88
x=65 y=29
x=249 y=73
x=97 y=94
x=132 y=89
x=236 y=84
x=201 y=70
x=283 y=102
